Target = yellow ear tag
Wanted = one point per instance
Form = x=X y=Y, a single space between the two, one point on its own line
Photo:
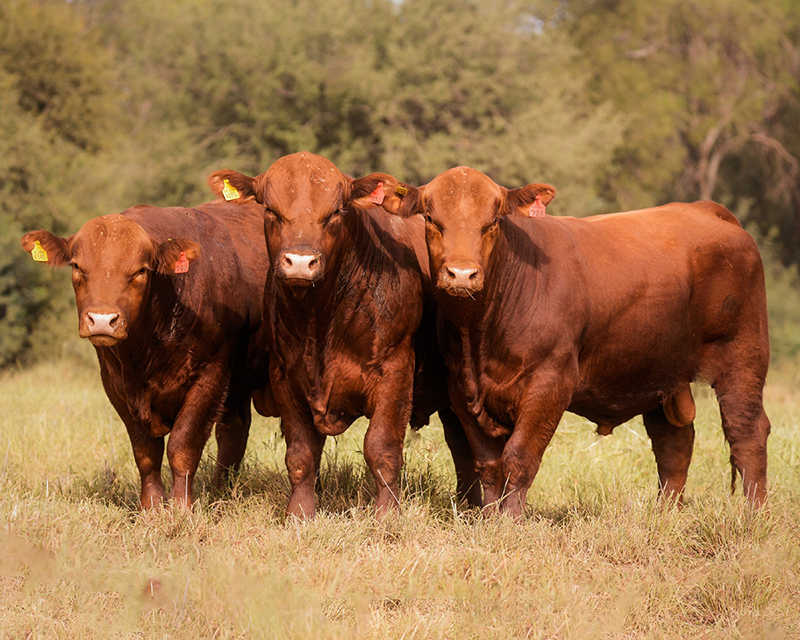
x=229 y=192
x=401 y=191
x=38 y=252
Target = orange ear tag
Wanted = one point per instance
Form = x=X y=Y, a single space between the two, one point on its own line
x=182 y=265
x=38 y=252
x=537 y=208
x=377 y=196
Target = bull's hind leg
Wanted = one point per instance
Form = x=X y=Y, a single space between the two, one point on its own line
x=672 y=447
x=231 y=433
x=468 y=485
x=746 y=428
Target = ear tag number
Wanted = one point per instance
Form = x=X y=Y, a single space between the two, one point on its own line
x=182 y=265
x=38 y=252
x=229 y=192
x=401 y=191
x=537 y=208
x=377 y=196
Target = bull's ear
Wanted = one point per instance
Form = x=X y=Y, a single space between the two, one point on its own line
x=174 y=255
x=529 y=201
x=232 y=185
x=45 y=247
x=385 y=191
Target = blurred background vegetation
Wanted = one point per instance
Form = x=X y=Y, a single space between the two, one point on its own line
x=620 y=104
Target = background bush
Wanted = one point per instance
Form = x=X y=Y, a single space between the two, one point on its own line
x=105 y=104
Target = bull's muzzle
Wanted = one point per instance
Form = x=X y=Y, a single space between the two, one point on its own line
x=102 y=329
x=299 y=268
x=460 y=280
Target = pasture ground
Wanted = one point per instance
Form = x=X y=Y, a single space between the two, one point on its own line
x=596 y=556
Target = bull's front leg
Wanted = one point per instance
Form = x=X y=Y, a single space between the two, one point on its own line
x=191 y=431
x=304 y=445
x=148 y=451
x=383 y=441
x=539 y=414
x=486 y=451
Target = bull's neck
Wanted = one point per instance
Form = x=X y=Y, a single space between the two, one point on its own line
x=476 y=322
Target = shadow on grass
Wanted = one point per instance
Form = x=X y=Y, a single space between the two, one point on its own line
x=344 y=483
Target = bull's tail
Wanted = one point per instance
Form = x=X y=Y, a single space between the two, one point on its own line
x=733 y=477
x=718 y=210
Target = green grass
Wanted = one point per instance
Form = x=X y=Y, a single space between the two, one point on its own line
x=597 y=557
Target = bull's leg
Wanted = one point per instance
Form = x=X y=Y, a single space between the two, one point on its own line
x=231 y=432
x=191 y=431
x=746 y=428
x=184 y=450
x=304 y=445
x=148 y=452
x=522 y=457
x=467 y=482
x=672 y=447
x=383 y=442
x=548 y=395
x=487 y=451
x=383 y=452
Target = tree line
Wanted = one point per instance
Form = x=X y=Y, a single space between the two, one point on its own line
x=620 y=104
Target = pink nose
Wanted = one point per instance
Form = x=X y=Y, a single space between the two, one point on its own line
x=303 y=266
x=459 y=277
x=101 y=323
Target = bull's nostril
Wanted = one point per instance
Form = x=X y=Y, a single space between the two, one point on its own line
x=113 y=320
x=90 y=320
x=312 y=262
x=473 y=275
x=287 y=261
x=451 y=274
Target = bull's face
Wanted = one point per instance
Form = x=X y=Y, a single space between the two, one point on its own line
x=305 y=199
x=462 y=209
x=112 y=260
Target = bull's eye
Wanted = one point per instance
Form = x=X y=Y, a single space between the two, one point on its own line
x=140 y=275
x=431 y=225
x=333 y=217
x=272 y=216
x=491 y=227
x=77 y=274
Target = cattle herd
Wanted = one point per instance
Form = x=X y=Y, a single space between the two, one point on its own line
x=323 y=298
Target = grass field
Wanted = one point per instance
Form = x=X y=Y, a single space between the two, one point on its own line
x=596 y=556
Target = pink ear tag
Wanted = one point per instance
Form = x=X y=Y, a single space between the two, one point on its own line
x=377 y=196
x=537 y=208
x=182 y=265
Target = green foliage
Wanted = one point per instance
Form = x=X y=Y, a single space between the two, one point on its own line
x=105 y=104
x=783 y=300
x=698 y=81
x=411 y=88
x=55 y=108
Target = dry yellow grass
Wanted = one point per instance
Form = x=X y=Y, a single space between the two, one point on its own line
x=595 y=558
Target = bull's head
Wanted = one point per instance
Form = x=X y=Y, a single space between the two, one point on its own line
x=462 y=209
x=305 y=198
x=112 y=259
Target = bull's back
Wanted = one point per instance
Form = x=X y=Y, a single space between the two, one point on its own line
x=233 y=260
x=680 y=265
x=659 y=286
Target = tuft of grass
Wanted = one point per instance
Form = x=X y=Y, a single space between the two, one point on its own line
x=596 y=557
